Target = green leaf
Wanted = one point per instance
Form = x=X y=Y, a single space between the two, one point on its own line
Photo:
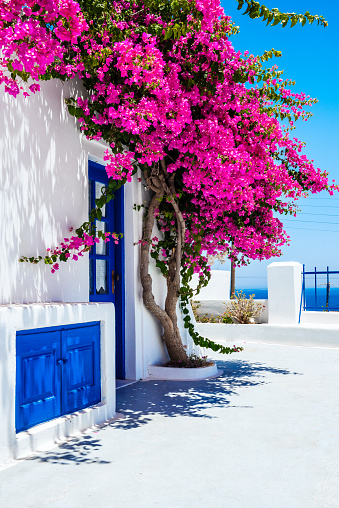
x=168 y=34
x=276 y=20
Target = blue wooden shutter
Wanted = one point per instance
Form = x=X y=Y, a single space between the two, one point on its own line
x=81 y=371
x=58 y=372
x=38 y=382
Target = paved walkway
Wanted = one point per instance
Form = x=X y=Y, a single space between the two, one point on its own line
x=263 y=435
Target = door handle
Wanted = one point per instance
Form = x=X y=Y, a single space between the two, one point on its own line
x=62 y=361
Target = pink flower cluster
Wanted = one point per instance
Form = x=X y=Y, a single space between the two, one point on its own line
x=120 y=165
x=31 y=36
x=184 y=99
x=79 y=245
x=141 y=63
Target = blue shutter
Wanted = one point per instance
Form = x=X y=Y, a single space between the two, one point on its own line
x=81 y=349
x=38 y=378
x=57 y=372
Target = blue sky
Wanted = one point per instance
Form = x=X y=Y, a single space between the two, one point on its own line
x=310 y=58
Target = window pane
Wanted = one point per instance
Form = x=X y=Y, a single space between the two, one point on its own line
x=101 y=282
x=98 y=193
x=102 y=247
x=91 y=281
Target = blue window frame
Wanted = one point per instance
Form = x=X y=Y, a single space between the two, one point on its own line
x=102 y=255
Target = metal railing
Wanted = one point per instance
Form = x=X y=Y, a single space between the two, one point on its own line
x=320 y=301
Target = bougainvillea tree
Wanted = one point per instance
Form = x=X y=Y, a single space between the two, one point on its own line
x=164 y=87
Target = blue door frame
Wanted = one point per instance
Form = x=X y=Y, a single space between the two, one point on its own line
x=113 y=260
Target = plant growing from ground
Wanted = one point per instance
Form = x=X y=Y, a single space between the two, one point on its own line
x=167 y=91
x=193 y=361
x=242 y=309
x=208 y=318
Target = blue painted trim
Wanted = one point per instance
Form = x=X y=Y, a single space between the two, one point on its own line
x=119 y=216
x=97 y=172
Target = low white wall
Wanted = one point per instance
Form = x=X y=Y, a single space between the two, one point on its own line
x=217 y=308
x=321 y=318
x=292 y=335
x=24 y=317
x=218 y=287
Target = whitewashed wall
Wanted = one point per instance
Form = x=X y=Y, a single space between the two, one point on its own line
x=43 y=189
x=43 y=192
x=218 y=287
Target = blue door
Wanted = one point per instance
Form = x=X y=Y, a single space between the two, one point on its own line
x=81 y=351
x=106 y=260
x=38 y=378
x=57 y=372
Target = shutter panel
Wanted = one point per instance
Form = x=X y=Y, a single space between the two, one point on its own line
x=38 y=383
x=81 y=371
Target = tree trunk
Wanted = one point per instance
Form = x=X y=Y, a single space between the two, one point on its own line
x=158 y=184
x=232 y=279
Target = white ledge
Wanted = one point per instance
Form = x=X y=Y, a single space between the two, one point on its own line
x=182 y=374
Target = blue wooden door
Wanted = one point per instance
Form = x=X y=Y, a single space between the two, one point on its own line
x=57 y=372
x=38 y=378
x=106 y=260
x=81 y=351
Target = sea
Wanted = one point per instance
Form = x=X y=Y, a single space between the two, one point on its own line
x=312 y=301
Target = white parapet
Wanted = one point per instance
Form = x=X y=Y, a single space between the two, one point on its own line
x=305 y=335
x=218 y=287
x=284 y=282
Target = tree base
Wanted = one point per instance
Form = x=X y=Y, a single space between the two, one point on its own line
x=158 y=372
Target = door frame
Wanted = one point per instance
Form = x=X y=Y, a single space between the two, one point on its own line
x=119 y=292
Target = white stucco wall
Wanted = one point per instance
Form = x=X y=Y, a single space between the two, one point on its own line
x=43 y=191
x=284 y=282
x=309 y=335
x=218 y=287
x=319 y=318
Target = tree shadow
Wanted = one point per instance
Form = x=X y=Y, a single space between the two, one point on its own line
x=78 y=451
x=139 y=402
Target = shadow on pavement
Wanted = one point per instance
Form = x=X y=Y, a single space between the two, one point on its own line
x=189 y=398
x=141 y=401
x=78 y=451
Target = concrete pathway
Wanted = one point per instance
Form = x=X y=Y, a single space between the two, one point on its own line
x=263 y=435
